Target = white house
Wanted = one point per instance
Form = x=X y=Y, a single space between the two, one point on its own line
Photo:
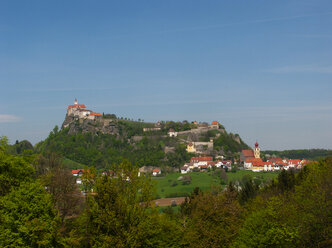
x=156 y=172
x=172 y=133
x=219 y=164
x=185 y=170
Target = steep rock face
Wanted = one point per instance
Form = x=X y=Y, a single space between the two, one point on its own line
x=75 y=124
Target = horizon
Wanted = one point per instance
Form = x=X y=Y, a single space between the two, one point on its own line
x=262 y=69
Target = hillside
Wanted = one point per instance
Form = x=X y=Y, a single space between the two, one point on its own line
x=106 y=141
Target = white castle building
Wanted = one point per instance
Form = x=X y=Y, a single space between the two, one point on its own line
x=80 y=111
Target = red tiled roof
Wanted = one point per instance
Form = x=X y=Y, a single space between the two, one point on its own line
x=248 y=153
x=261 y=164
x=78 y=170
x=253 y=160
x=215 y=123
x=96 y=114
x=76 y=106
x=199 y=159
x=275 y=160
x=294 y=161
x=156 y=170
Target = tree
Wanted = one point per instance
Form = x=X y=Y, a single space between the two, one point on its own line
x=213 y=221
x=27 y=218
x=247 y=192
x=13 y=169
x=292 y=218
x=223 y=176
x=119 y=215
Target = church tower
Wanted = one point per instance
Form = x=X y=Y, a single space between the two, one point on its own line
x=75 y=102
x=257 y=151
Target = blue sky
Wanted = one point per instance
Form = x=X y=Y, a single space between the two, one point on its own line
x=261 y=68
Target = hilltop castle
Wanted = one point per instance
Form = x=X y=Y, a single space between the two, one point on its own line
x=80 y=111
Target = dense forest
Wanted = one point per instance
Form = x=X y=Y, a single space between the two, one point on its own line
x=310 y=154
x=40 y=206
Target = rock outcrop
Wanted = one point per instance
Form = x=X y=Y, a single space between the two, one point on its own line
x=100 y=125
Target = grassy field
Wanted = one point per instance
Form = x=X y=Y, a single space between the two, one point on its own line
x=170 y=186
x=72 y=164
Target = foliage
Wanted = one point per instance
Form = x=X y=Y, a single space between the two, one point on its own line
x=120 y=214
x=61 y=184
x=310 y=154
x=13 y=169
x=22 y=147
x=213 y=220
x=102 y=150
x=297 y=216
x=27 y=218
x=228 y=143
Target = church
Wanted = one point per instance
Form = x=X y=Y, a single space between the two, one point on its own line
x=250 y=154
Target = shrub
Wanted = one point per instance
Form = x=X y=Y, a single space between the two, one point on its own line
x=186 y=180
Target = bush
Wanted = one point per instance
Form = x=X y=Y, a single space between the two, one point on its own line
x=173 y=204
x=176 y=194
x=186 y=180
x=175 y=183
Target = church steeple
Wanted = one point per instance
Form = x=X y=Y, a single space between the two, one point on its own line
x=257 y=150
x=75 y=102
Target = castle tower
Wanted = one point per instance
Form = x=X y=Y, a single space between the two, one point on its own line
x=257 y=151
x=75 y=102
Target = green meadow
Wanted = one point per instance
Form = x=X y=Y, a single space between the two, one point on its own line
x=170 y=186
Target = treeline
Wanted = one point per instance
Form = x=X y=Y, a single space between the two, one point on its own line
x=310 y=154
x=41 y=207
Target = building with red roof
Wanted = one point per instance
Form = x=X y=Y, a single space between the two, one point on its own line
x=245 y=154
x=200 y=159
x=156 y=172
x=214 y=125
x=80 y=111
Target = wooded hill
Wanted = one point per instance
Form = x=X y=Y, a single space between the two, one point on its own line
x=309 y=154
x=154 y=148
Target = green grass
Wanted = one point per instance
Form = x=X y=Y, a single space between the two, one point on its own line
x=203 y=180
x=239 y=174
x=72 y=164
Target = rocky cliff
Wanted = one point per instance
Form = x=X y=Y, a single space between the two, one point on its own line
x=100 y=125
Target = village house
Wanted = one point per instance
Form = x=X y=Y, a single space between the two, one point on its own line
x=248 y=162
x=191 y=147
x=172 y=133
x=185 y=169
x=156 y=172
x=78 y=174
x=199 y=161
x=144 y=170
x=246 y=154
